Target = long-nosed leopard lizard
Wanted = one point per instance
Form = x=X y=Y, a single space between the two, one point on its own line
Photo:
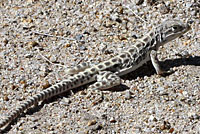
x=106 y=74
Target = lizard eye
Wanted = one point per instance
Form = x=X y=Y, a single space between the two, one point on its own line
x=175 y=28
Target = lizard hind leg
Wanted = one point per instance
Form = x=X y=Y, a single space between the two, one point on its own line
x=105 y=80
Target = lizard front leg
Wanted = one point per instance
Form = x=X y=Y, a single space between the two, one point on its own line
x=156 y=64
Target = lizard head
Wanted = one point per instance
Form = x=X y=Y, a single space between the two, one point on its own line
x=171 y=29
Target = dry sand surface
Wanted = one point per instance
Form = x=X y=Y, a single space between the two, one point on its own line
x=40 y=39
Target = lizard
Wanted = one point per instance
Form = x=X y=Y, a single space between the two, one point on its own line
x=107 y=74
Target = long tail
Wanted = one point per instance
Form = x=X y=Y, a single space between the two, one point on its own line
x=58 y=88
x=75 y=81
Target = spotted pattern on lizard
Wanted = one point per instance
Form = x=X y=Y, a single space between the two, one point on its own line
x=107 y=74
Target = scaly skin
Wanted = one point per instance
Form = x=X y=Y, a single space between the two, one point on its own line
x=106 y=74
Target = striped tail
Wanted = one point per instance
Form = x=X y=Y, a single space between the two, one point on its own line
x=58 y=88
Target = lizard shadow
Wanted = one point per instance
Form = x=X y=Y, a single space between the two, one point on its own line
x=145 y=70
x=32 y=110
x=29 y=111
x=148 y=69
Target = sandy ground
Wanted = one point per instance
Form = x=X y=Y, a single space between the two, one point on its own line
x=40 y=39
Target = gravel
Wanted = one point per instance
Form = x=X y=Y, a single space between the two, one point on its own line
x=67 y=33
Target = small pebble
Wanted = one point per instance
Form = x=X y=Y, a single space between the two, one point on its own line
x=92 y=122
x=128 y=94
x=53 y=58
x=32 y=44
x=5 y=41
x=112 y=120
x=5 y=98
x=79 y=37
x=139 y=2
x=45 y=84
x=171 y=130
